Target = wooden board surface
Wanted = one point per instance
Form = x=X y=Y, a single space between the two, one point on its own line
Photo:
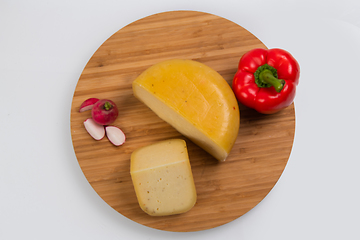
x=226 y=190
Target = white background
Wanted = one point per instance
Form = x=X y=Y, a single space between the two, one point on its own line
x=44 y=46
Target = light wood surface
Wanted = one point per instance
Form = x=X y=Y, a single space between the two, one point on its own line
x=226 y=190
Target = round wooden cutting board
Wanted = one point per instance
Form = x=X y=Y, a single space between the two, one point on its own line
x=225 y=190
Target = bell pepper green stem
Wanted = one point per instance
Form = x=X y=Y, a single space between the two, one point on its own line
x=268 y=77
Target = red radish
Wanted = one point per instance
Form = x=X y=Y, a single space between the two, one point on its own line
x=97 y=131
x=88 y=104
x=115 y=135
x=104 y=112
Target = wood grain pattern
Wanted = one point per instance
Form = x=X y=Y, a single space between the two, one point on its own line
x=226 y=190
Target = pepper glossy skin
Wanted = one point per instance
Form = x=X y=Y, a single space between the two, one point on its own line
x=269 y=93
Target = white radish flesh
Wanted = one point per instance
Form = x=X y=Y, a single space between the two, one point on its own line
x=115 y=135
x=97 y=131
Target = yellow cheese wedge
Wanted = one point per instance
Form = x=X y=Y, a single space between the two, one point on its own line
x=195 y=100
x=162 y=178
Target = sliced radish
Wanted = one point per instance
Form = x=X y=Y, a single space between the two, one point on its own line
x=115 y=135
x=97 y=131
x=88 y=104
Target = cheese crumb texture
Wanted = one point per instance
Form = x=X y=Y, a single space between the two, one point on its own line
x=162 y=178
x=195 y=100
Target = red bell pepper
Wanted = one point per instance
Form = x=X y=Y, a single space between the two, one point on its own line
x=266 y=80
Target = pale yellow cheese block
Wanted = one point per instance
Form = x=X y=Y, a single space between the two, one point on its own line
x=195 y=99
x=162 y=178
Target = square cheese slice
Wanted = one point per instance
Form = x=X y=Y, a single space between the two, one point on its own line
x=162 y=178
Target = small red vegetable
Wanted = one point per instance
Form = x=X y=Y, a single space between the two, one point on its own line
x=104 y=112
x=95 y=130
x=266 y=80
x=88 y=104
x=115 y=135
